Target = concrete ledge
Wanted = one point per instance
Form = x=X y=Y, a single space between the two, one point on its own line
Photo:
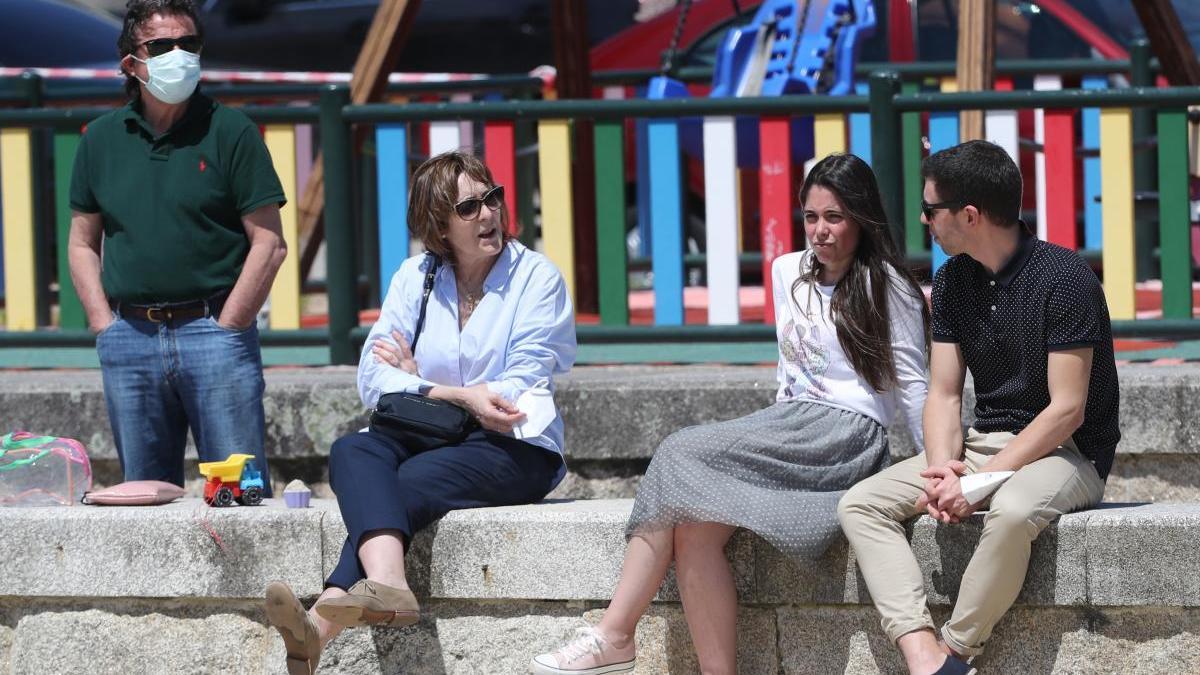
x=1112 y=590
x=572 y=550
x=619 y=412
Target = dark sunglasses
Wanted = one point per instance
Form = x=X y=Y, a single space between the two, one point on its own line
x=468 y=209
x=927 y=209
x=160 y=46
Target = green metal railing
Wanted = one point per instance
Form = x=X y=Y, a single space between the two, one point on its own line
x=886 y=102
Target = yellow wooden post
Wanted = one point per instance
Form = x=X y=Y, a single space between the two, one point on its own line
x=285 y=292
x=1116 y=168
x=558 y=224
x=16 y=195
x=829 y=134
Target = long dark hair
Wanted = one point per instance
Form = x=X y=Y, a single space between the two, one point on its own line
x=860 y=300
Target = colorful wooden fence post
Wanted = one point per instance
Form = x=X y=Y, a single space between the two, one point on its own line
x=721 y=210
x=391 y=156
x=611 y=262
x=1175 y=235
x=70 y=311
x=1093 y=211
x=829 y=134
x=1116 y=160
x=499 y=148
x=447 y=135
x=558 y=223
x=943 y=133
x=666 y=221
x=775 y=188
x=285 y=291
x=860 y=128
x=911 y=151
x=16 y=200
x=466 y=128
x=1001 y=125
x=1059 y=189
x=1042 y=83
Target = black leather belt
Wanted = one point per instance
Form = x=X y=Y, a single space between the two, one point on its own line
x=179 y=311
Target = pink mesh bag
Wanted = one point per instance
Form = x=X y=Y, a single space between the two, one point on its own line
x=42 y=470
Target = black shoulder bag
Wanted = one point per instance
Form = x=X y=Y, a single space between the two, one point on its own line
x=418 y=422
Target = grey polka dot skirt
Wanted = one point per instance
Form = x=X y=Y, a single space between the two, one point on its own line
x=778 y=472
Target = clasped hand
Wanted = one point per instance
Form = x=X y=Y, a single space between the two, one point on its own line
x=943 y=498
x=494 y=412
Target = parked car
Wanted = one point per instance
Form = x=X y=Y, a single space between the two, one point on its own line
x=56 y=33
x=447 y=36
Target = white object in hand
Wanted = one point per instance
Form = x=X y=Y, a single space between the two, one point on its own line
x=538 y=405
x=978 y=486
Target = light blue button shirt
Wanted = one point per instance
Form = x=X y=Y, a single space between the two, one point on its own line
x=522 y=331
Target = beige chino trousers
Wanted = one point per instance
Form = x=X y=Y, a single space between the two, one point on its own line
x=872 y=514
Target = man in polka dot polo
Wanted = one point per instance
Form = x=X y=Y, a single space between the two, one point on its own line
x=1030 y=321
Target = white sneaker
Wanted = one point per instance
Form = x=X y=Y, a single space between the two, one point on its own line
x=588 y=654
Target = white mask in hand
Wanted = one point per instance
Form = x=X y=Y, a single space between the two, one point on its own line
x=538 y=405
x=979 y=486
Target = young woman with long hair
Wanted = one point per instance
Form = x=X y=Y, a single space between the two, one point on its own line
x=852 y=325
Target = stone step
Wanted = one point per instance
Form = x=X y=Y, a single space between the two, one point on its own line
x=615 y=417
x=1116 y=555
x=1110 y=590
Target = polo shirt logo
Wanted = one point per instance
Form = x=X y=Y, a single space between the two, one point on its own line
x=202 y=166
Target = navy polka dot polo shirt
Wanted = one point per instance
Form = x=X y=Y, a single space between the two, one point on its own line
x=1044 y=299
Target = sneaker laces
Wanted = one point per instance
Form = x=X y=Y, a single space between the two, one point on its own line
x=587 y=641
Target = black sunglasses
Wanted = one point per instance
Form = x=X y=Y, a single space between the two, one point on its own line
x=160 y=46
x=468 y=209
x=927 y=209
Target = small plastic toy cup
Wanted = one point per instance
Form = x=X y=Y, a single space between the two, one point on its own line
x=296 y=495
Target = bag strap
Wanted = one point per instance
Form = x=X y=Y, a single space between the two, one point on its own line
x=22 y=441
x=433 y=268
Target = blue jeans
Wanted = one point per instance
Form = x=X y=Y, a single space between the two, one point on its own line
x=162 y=378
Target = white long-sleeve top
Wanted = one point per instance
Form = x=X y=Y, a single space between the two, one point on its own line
x=522 y=331
x=813 y=366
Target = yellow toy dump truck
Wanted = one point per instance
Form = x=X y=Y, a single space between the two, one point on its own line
x=237 y=478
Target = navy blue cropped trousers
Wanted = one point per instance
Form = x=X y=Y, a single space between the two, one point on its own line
x=380 y=485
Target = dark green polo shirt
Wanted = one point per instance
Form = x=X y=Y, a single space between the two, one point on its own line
x=172 y=205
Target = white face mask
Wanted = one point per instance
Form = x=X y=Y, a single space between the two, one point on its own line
x=173 y=76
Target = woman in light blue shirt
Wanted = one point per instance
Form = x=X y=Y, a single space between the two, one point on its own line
x=498 y=323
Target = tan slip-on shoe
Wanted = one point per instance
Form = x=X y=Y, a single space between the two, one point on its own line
x=300 y=636
x=370 y=603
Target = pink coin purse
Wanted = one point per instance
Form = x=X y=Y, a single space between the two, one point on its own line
x=135 y=493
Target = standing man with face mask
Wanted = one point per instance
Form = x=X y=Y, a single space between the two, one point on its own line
x=183 y=194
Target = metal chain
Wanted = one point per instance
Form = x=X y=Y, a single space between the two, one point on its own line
x=801 y=24
x=669 y=58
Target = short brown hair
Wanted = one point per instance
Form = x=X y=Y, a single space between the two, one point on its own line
x=434 y=193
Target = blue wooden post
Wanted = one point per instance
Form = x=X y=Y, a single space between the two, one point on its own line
x=666 y=221
x=860 y=128
x=943 y=133
x=1093 y=211
x=391 y=142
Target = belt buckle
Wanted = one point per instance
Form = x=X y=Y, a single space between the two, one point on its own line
x=164 y=314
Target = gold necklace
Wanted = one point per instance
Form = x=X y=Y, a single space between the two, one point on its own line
x=472 y=301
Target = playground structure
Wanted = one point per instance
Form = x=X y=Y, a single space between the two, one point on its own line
x=236 y=478
x=1092 y=138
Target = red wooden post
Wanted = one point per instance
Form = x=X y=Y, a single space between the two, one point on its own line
x=775 y=188
x=499 y=153
x=1060 y=178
